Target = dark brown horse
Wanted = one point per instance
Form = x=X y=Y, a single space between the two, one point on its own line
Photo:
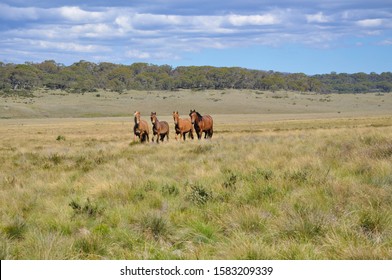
x=140 y=128
x=182 y=126
x=160 y=129
x=202 y=124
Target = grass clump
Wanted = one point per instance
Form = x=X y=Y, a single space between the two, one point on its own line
x=199 y=195
x=88 y=208
x=16 y=228
x=170 y=190
x=231 y=179
x=60 y=138
x=203 y=232
x=155 y=225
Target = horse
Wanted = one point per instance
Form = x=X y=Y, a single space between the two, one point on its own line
x=160 y=129
x=202 y=124
x=182 y=126
x=140 y=128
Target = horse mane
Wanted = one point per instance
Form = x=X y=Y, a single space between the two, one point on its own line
x=199 y=116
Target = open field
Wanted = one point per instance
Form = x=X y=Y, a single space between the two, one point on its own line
x=60 y=104
x=307 y=184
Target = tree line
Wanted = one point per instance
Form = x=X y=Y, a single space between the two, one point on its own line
x=84 y=76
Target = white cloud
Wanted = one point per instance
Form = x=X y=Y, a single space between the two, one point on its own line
x=152 y=34
x=64 y=46
x=242 y=20
x=124 y=23
x=100 y=30
x=137 y=54
x=191 y=23
x=67 y=13
x=370 y=22
x=317 y=18
x=157 y=19
x=386 y=42
x=77 y=14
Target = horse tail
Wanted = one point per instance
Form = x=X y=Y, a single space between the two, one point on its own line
x=166 y=126
x=210 y=118
x=191 y=130
x=212 y=127
x=146 y=130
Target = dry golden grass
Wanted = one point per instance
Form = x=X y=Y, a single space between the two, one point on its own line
x=262 y=188
x=278 y=105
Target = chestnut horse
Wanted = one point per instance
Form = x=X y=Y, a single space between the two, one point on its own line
x=202 y=124
x=160 y=129
x=140 y=128
x=182 y=126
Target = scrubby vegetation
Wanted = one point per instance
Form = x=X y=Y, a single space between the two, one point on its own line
x=86 y=76
x=278 y=190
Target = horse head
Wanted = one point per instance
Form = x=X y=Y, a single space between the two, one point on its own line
x=193 y=115
x=153 y=117
x=137 y=117
x=176 y=116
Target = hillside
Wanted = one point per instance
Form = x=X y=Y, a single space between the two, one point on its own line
x=287 y=104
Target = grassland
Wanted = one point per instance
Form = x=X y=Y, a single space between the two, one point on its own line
x=60 y=104
x=312 y=184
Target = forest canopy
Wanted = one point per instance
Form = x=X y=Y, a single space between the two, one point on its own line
x=85 y=76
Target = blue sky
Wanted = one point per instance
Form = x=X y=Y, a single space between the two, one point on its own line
x=307 y=36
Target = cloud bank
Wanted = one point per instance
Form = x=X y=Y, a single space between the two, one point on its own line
x=171 y=30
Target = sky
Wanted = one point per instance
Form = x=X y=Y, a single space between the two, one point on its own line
x=306 y=36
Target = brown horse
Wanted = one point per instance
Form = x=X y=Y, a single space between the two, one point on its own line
x=140 y=128
x=160 y=129
x=182 y=126
x=202 y=124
